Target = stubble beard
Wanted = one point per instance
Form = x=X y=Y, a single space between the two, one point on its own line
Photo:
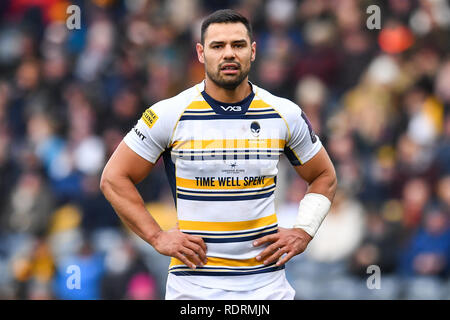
x=228 y=84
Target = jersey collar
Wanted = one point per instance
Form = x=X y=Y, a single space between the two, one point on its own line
x=240 y=107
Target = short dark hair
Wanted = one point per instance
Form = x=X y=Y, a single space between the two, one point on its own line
x=225 y=16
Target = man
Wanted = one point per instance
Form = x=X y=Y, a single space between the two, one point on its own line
x=221 y=141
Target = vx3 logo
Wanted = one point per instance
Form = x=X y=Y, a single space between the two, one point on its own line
x=232 y=108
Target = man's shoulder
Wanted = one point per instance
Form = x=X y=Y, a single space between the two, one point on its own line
x=281 y=104
x=178 y=103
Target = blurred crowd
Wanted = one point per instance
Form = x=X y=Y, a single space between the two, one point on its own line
x=379 y=99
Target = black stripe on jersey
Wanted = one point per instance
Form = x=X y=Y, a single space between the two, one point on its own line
x=223 y=271
x=292 y=157
x=241 y=192
x=261 y=110
x=226 y=268
x=234 y=239
x=212 y=154
x=169 y=167
x=230 y=116
x=229 y=151
x=234 y=233
x=224 y=198
x=193 y=111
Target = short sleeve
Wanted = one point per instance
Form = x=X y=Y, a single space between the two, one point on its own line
x=151 y=134
x=303 y=143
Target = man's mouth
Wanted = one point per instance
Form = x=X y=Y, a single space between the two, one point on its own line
x=229 y=68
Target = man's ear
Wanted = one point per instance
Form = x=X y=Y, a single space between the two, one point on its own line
x=253 y=51
x=199 y=48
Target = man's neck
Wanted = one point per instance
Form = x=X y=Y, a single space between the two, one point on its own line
x=228 y=96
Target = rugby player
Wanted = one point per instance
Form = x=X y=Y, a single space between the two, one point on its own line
x=221 y=141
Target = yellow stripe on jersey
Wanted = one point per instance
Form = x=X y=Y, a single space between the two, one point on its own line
x=227 y=225
x=223 y=262
x=228 y=144
x=259 y=104
x=228 y=153
x=192 y=184
x=198 y=105
x=178 y=120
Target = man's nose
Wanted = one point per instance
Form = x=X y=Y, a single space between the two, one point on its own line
x=228 y=52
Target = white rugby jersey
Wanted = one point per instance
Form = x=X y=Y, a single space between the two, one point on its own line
x=221 y=161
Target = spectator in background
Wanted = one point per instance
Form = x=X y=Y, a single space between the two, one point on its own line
x=443 y=192
x=278 y=40
x=428 y=251
x=89 y=268
x=29 y=206
x=32 y=269
x=311 y=94
x=322 y=273
x=416 y=195
x=342 y=232
x=426 y=258
x=379 y=247
x=442 y=158
x=97 y=214
x=67 y=97
x=127 y=276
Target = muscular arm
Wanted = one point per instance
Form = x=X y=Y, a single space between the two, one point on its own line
x=125 y=169
x=320 y=175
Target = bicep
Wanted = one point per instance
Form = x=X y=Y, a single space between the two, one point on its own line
x=124 y=162
x=319 y=165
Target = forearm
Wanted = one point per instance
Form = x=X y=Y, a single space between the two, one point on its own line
x=129 y=206
x=322 y=183
x=325 y=184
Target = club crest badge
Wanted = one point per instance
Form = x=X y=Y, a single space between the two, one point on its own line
x=255 y=128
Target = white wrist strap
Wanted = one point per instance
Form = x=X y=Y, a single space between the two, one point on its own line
x=312 y=210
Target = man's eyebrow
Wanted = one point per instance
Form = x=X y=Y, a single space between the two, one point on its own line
x=222 y=42
x=216 y=42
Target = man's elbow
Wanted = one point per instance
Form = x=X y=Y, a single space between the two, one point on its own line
x=333 y=182
x=105 y=182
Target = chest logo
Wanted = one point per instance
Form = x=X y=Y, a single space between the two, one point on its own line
x=231 y=108
x=255 y=128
